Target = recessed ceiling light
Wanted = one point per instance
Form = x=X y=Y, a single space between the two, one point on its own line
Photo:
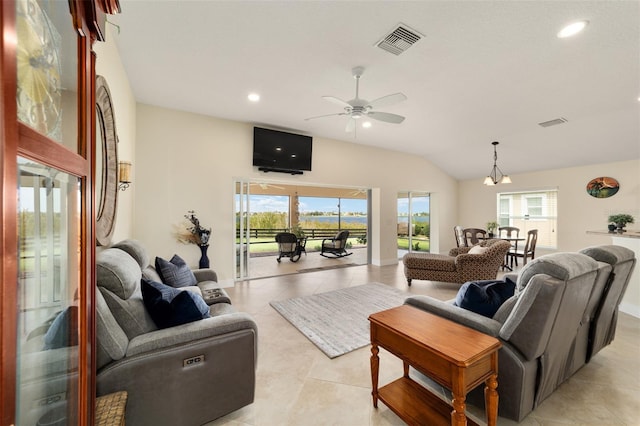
x=572 y=29
x=253 y=97
x=366 y=124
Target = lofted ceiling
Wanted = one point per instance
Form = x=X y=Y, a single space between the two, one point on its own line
x=484 y=71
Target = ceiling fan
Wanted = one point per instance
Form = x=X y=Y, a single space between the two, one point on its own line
x=357 y=108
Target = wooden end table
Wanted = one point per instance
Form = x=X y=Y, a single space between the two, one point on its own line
x=453 y=355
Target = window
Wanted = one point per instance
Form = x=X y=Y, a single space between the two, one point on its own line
x=533 y=205
x=531 y=210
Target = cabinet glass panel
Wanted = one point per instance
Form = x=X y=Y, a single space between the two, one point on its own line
x=48 y=289
x=47 y=69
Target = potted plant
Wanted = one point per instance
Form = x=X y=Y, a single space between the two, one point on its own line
x=491 y=227
x=621 y=220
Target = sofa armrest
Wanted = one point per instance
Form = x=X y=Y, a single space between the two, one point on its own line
x=456 y=314
x=197 y=381
x=458 y=250
x=190 y=332
x=205 y=274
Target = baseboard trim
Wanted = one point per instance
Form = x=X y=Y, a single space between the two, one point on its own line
x=630 y=309
x=384 y=262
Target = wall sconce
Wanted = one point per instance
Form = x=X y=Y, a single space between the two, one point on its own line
x=124 y=175
x=493 y=179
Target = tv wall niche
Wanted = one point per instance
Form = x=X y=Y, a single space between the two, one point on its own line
x=277 y=151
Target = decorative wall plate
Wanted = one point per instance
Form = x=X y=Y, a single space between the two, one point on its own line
x=603 y=187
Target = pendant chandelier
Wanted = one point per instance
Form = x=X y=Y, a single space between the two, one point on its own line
x=493 y=178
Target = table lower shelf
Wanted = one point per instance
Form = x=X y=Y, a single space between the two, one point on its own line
x=416 y=405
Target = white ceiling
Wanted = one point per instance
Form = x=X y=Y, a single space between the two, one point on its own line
x=485 y=71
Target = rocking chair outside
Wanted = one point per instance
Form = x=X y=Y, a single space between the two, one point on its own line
x=290 y=246
x=336 y=246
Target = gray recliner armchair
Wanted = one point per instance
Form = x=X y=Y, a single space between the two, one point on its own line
x=598 y=326
x=189 y=374
x=536 y=326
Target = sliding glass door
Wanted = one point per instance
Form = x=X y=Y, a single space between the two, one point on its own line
x=413 y=222
x=264 y=209
x=243 y=231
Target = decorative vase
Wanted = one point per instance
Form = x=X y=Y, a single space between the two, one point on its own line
x=204 y=260
x=611 y=227
x=491 y=235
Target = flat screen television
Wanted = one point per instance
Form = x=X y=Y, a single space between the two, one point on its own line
x=275 y=151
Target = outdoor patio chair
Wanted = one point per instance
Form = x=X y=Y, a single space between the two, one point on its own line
x=288 y=246
x=336 y=246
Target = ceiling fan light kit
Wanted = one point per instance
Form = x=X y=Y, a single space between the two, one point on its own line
x=358 y=108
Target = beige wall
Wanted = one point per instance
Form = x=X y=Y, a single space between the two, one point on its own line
x=188 y=162
x=109 y=65
x=578 y=212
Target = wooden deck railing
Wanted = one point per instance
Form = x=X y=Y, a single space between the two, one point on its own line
x=310 y=233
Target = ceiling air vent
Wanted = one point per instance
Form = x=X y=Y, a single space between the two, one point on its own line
x=399 y=40
x=553 y=122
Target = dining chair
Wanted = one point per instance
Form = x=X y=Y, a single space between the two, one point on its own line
x=459 y=233
x=473 y=236
x=529 y=249
x=510 y=233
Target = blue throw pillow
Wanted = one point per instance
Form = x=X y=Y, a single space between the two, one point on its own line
x=63 y=331
x=175 y=272
x=169 y=307
x=484 y=297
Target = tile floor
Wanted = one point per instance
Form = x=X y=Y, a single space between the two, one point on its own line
x=267 y=266
x=298 y=385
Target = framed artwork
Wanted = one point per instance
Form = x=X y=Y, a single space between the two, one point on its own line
x=603 y=187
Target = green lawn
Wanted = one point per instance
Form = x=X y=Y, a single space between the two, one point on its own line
x=419 y=244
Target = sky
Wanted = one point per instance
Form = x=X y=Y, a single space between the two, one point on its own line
x=266 y=203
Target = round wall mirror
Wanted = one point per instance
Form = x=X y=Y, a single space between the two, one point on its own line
x=106 y=164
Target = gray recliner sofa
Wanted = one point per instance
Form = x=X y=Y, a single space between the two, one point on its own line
x=539 y=326
x=184 y=375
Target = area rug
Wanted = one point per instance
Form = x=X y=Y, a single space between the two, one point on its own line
x=336 y=321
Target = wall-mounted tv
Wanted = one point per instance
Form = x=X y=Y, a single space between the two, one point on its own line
x=275 y=151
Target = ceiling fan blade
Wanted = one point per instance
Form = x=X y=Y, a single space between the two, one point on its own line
x=326 y=115
x=387 y=100
x=337 y=101
x=386 y=117
x=351 y=125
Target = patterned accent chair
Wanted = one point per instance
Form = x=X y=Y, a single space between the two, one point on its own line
x=480 y=262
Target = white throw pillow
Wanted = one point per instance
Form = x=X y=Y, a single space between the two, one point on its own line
x=478 y=250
